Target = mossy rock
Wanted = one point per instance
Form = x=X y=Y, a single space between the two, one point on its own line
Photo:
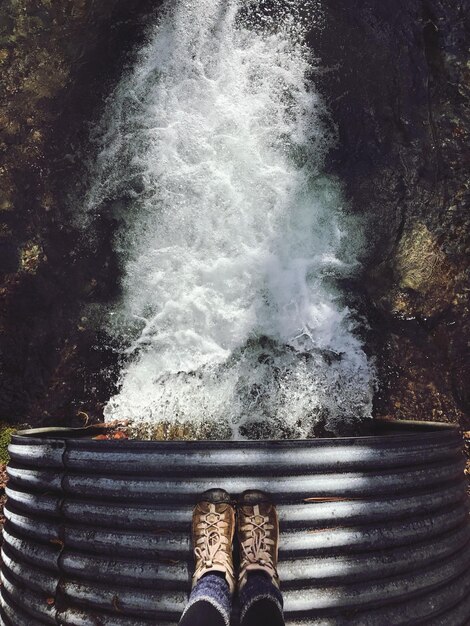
x=6 y=433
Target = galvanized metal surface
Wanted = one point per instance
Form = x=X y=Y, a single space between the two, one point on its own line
x=374 y=530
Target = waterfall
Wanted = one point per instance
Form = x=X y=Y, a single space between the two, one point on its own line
x=232 y=241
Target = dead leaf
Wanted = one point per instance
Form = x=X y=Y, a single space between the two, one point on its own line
x=119 y=435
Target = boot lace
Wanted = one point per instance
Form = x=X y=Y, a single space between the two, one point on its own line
x=211 y=540
x=256 y=548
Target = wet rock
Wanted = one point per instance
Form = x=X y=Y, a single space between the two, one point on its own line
x=398 y=86
x=57 y=63
x=420 y=279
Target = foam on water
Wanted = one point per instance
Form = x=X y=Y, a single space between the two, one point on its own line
x=232 y=241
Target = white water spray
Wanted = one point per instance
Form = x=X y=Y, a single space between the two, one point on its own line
x=211 y=152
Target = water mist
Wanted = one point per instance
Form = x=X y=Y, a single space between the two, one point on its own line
x=232 y=240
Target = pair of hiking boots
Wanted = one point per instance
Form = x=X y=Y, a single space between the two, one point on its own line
x=215 y=518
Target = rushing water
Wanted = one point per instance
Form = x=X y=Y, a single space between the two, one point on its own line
x=232 y=241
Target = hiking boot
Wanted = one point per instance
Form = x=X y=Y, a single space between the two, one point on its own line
x=213 y=528
x=258 y=534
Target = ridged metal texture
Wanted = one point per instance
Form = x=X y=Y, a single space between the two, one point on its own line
x=374 y=530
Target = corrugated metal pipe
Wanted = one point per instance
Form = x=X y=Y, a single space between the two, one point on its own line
x=374 y=530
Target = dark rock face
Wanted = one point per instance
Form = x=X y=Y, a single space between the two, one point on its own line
x=57 y=60
x=397 y=77
x=398 y=89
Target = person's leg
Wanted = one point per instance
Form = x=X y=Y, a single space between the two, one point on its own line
x=261 y=602
x=209 y=604
x=213 y=527
x=258 y=532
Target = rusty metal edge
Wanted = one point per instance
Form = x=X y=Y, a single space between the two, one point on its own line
x=384 y=425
